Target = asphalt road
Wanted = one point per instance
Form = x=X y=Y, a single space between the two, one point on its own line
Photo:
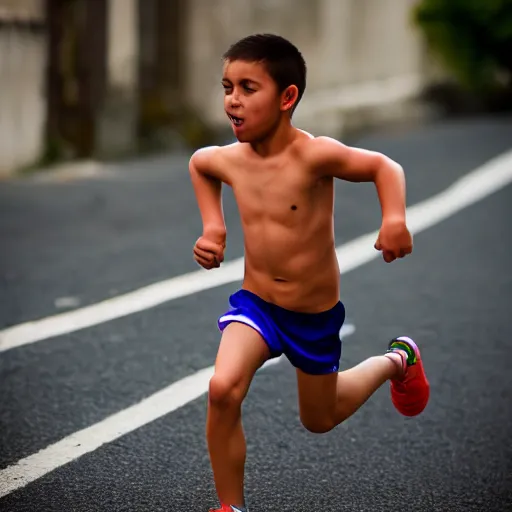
x=135 y=224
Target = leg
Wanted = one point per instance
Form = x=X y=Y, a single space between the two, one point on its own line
x=242 y=351
x=327 y=400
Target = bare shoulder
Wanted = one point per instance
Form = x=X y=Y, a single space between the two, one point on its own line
x=213 y=161
x=204 y=159
x=321 y=151
x=327 y=156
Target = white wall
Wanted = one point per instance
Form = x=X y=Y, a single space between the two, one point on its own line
x=117 y=120
x=22 y=87
x=23 y=66
x=360 y=53
x=363 y=57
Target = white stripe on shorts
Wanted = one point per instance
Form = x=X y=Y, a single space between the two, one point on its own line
x=240 y=318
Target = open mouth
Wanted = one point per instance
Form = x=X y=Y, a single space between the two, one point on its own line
x=237 y=121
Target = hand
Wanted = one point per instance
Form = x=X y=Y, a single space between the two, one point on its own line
x=209 y=250
x=394 y=240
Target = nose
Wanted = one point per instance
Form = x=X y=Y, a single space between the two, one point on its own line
x=234 y=100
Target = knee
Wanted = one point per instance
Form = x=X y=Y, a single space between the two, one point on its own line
x=317 y=424
x=225 y=391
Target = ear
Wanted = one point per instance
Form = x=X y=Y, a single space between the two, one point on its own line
x=289 y=97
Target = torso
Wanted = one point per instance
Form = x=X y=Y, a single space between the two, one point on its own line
x=287 y=217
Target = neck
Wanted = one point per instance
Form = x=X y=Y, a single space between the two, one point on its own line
x=276 y=140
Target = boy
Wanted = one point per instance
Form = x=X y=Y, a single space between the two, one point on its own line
x=282 y=179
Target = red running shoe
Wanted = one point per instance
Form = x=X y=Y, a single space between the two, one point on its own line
x=228 y=508
x=411 y=392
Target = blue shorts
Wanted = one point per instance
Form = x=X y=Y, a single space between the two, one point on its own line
x=310 y=341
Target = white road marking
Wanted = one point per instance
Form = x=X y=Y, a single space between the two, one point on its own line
x=122 y=305
x=475 y=186
x=347 y=330
x=271 y=362
x=111 y=428
x=67 y=302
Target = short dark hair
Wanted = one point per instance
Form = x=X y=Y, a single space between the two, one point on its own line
x=283 y=60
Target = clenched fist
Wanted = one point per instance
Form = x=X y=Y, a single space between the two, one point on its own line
x=209 y=251
x=394 y=240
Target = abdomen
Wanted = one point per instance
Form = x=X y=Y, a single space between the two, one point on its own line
x=295 y=268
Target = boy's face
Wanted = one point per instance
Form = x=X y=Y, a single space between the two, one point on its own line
x=251 y=99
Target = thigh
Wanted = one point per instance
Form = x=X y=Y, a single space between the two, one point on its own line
x=317 y=395
x=242 y=351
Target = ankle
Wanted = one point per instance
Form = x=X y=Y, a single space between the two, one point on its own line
x=399 y=359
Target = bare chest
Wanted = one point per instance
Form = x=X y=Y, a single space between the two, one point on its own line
x=283 y=194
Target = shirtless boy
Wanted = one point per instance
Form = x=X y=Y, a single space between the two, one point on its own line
x=289 y=302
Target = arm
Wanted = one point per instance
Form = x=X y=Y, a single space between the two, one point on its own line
x=208 y=189
x=359 y=165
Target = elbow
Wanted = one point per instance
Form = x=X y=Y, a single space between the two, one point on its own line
x=387 y=168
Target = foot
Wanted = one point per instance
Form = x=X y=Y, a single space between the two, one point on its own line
x=228 y=508
x=410 y=391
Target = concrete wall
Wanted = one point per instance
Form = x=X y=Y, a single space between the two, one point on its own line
x=22 y=84
x=117 y=130
x=363 y=55
x=24 y=59
x=365 y=62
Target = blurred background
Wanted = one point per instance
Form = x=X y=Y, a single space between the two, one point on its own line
x=107 y=328
x=103 y=79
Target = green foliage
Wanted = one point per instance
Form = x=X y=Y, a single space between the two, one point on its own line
x=472 y=38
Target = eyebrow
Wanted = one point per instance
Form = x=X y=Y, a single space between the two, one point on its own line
x=246 y=80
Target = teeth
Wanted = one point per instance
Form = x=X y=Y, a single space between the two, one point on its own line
x=235 y=120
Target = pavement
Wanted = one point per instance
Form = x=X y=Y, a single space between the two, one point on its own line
x=69 y=241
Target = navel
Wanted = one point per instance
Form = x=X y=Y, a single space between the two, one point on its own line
x=294 y=207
